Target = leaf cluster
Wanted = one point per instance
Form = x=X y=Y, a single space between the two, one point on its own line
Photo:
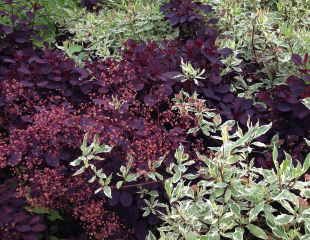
x=228 y=198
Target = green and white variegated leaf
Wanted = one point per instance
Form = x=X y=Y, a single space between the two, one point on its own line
x=236 y=209
x=257 y=231
x=236 y=235
x=287 y=195
x=306 y=102
x=213 y=234
x=255 y=211
x=287 y=206
x=102 y=149
x=279 y=232
x=79 y=171
x=150 y=236
x=76 y=162
x=284 y=219
x=107 y=191
x=84 y=148
x=305 y=237
x=275 y=157
x=227 y=222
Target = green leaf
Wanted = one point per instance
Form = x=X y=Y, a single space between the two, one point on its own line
x=131 y=177
x=179 y=155
x=261 y=130
x=286 y=167
x=235 y=208
x=213 y=235
x=306 y=164
x=255 y=211
x=190 y=236
x=150 y=236
x=158 y=163
x=259 y=144
x=257 y=231
x=92 y=179
x=54 y=215
x=287 y=206
x=279 y=232
x=102 y=149
x=306 y=102
x=107 y=191
x=98 y=190
x=75 y=49
x=176 y=176
x=37 y=210
x=305 y=237
x=84 y=144
x=286 y=195
x=227 y=195
x=159 y=176
x=76 y=162
x=168 y=187
x=80 y=171
x=119 y=184
x=152 y=176
x=275 y=157
x=238 y=234
x=283 y=219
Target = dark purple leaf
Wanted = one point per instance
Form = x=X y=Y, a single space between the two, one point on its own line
x=23 y=228
x=38 y=228
x=296 y=59
x=126 y=199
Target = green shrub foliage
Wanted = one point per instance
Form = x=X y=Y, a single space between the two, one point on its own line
x=103 y=33
x=226 y=197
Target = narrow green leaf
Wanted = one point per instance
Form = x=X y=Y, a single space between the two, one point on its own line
x=131 y=177
x=306 y=102
x=107 y=191
x=84 y=144
x=235 y=208
x=119 y=184
x=150 y=236
x=283 y=219
x=168 y=187
x=190 y=236
x=76 y=162
x=102 y=149
x=80 y=171
x=98 y=190
x=257 y=231
x=255 y=211
x=286 y=195
x=92 y=179
x=227 y=195
x=261 y=130
x=275 y=157
x=259 y=144
x=213 y=235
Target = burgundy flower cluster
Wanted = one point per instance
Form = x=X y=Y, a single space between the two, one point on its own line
x=59 y=191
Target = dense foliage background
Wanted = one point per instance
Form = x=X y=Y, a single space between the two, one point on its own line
x=114 y=114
